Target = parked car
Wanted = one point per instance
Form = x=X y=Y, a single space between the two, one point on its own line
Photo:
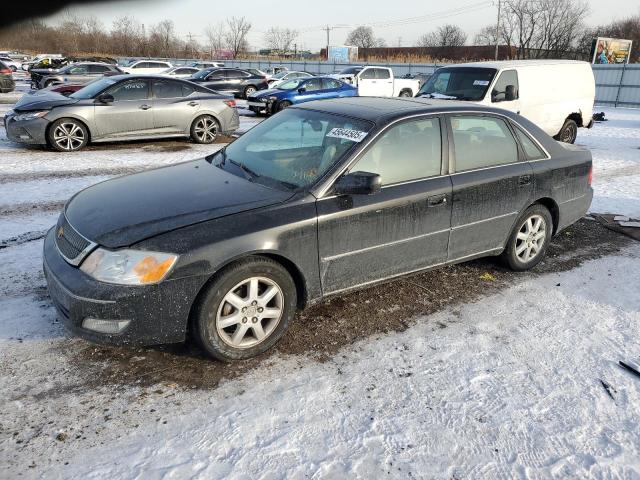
x=260 y=73
x=230 y=80
x=323 y=198
x=82 y=72
x=181 y=72
x=45 y=58
x=282 y=77
x=201 y=65
x=299 y=90
x=122 y=107
x=556 y=95
x=140 y=67
x=14 y=65
x=7 y=84
x=378 y=82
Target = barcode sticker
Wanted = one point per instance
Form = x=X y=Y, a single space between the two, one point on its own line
x=347 y=134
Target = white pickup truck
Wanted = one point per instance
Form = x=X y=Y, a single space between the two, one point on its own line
x=378 y=82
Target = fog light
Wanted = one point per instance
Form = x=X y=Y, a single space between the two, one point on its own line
x=105 y=326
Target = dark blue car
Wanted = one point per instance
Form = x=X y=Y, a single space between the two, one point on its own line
x=298 y=90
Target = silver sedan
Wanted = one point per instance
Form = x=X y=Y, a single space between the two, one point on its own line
x=123 y=107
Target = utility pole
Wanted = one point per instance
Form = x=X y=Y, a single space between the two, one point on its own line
x=498 y=28
x=328 y=30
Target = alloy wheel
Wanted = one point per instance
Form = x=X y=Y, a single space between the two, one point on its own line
x=68 y=136
x=249 y=91
x=250 y=312
x=206 y=130
x=531 y=238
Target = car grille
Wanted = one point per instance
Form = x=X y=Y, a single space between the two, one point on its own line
x=73 y=246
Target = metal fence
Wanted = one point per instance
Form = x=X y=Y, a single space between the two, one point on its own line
x=616 y=85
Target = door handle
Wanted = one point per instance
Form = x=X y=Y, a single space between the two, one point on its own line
x=437 y=200
x=145 y=107
x=193 y=104
x=524 y=180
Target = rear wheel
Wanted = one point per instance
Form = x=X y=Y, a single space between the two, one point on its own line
x=250 y=90
x=528 y=242
x=67 y=135
x=405 y=93
x=204 y=129
x=282 y=105
x=568 y=132
x=246 y=310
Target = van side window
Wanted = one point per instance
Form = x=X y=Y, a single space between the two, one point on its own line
x=408 y=151
x=506 y=88
x=532 y=150
x=481 y=142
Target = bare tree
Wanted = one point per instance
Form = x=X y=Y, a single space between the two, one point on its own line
x=486 y=36
x=162 y=40
x=236 y=35
x=280 y=39
x=215 y=35
x=126 y=35
x=363 y=37
x=445 y=36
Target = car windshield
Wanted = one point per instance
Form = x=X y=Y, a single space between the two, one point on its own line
x=93 y=88
x=351 y=70
x=129 y=62
x=290 y=84
x=202 y=73
x=292 y=149
x=458 y=83
x=279 y=76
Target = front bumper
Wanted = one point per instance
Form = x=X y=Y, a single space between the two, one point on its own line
x=33 y=132
x=157 y=313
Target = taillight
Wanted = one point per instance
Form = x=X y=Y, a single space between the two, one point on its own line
x=590 y=177
x=6 y=71
x=230 y=103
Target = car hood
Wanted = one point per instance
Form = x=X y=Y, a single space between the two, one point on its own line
x=126 y=210
x=270 y=93
x=42 y=100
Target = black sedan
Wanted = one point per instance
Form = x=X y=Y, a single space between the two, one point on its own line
x=320 y=199
x=231 y=80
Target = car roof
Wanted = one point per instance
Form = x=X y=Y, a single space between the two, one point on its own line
x=516 y=63
x=384 y=109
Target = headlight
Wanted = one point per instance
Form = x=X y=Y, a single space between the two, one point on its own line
x=31 y=115
x=264 y=100
x=273 y=99
x=128 y=267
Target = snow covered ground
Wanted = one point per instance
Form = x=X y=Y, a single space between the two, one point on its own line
x=508 y=386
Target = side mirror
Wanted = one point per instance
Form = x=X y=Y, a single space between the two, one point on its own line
x=358 y=183
x=510 y=93
x=302 y=90
x=106 y=98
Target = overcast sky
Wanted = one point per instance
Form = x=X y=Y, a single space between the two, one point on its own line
x=192 y=16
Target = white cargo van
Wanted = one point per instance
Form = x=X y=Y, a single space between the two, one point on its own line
x=556 y=95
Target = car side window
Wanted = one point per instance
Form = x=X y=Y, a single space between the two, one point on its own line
x=312 y=85
x=130 y=90
x=329 y=84
x=141 y=65
x=532 y=150
x=368 y=74
x=481 y=141
x=216 y=75
x=78 y=70
x=98 y=68
x=499 y=92
x=408 y=151
x=167 y=89
x=382 y=74
x=187 y=89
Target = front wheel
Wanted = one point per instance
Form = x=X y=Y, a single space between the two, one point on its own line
x=67 y=135
x=528 y=242
x=282 y=105
x=250 y=90
x=246 y=310
x=568 y=132
x=204 y=129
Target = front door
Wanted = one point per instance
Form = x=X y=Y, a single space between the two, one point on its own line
x=370 y=85
x=401 y=229
x=491 y=184
x=130 y=114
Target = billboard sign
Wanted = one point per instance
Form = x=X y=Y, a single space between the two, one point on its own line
x=610 y=50
x=342 y=54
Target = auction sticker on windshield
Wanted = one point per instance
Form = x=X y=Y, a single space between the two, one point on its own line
x=347 y=134
x=482 y=83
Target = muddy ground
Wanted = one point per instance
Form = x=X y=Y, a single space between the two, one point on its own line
x=323 y=329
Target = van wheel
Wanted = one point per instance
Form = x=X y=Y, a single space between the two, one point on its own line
x=246 y=310
x=568 y=132
x=529 y=239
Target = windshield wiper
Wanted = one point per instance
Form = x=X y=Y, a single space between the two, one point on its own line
x=249 y=174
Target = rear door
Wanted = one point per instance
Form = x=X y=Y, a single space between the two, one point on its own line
x=235 y=80
x=401 y=229
x=312 y=90
x=385 y=82
x=76 y=73
x=375 y=82
x=492 y=183
x=174 y=106
x=331 y=88
x=96 y=71
x=130 y=113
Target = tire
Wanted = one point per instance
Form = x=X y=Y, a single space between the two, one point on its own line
x=568 y=132
x=405 y=93
x=250 y=90
x=67 y=135
x=204 y=129
x=240 y=339
x=529 y=239
x=282 y=105
x=13 y=68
